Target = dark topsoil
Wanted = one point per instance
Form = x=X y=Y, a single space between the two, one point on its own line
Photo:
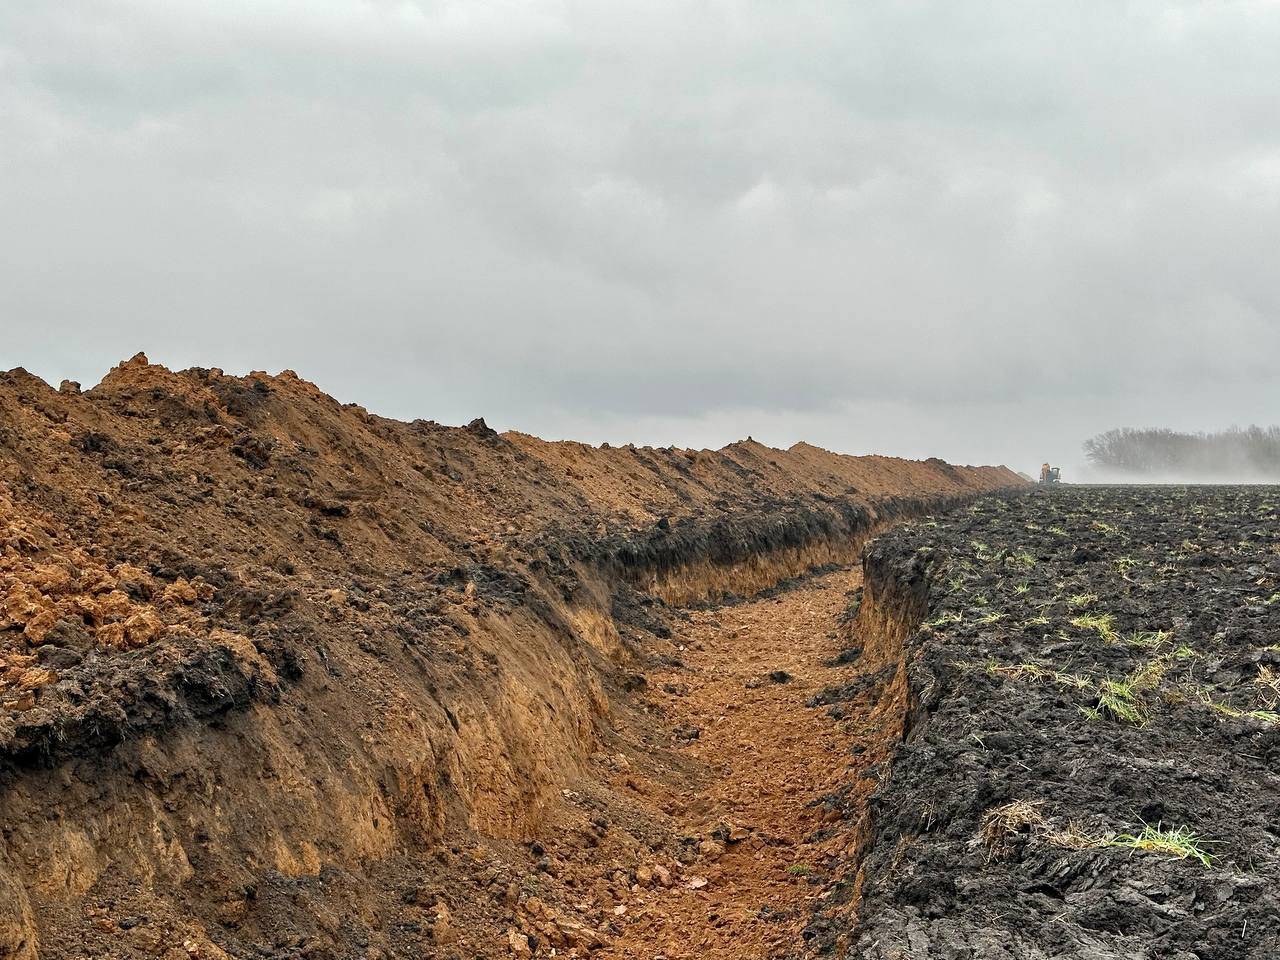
x=1002 y=829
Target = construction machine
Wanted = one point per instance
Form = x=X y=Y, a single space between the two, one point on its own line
x=1050 y=474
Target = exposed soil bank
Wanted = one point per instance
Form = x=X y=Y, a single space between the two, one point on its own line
x=281 y=678
x=1088 y=693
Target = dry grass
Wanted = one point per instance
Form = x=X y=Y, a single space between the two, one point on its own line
x=1000 y=825
x=1268 y=682
x=1033 y=671
x=1020 y=817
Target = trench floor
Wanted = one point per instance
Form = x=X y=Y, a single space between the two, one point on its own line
x=768 y=761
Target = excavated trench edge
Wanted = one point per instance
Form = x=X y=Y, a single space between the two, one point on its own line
x=745 y=554
x=690 y=562
x=895 y=602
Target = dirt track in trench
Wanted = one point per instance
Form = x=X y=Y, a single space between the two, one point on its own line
x=769 y=762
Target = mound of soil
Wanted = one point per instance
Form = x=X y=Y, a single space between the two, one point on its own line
x=281 y=678
x=1091 y=687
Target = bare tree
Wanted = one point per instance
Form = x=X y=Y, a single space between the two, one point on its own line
x=1248 y=453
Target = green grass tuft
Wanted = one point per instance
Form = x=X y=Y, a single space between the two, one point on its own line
x=1148 y=639
x=1119 y=700
x=1180 y=842
x=1104 y=624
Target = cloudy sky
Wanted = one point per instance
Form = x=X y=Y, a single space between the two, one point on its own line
x=981 y=230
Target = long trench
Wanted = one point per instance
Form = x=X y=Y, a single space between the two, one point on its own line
x=781 y=808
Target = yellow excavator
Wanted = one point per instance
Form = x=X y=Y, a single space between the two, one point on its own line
x=1050 y=474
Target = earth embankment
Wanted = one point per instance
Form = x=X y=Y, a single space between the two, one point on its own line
x=270 y=664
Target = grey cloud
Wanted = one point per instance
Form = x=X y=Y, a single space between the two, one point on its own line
x=980 y=230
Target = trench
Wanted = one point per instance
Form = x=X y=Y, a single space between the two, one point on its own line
x=734 y=787
x=787 y=708
x=423 y=649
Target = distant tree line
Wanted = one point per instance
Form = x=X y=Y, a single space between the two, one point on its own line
x=1238 y=453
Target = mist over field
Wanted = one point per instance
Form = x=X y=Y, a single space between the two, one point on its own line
x=1160 y=455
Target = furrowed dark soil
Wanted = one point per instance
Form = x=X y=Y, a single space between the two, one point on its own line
x=1089 y=681
x=281 y=678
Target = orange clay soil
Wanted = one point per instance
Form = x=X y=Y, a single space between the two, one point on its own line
x=768 y=762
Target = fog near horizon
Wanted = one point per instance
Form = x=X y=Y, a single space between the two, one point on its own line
x=984 y=232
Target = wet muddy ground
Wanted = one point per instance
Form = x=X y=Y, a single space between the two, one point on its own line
x=1092 y=761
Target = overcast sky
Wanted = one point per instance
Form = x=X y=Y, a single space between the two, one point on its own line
x=978 y=230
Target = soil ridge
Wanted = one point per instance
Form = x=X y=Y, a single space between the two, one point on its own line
x=235 y=608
